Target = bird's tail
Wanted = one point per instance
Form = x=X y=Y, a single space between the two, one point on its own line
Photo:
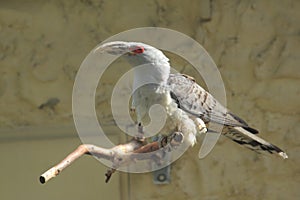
x=245 y=137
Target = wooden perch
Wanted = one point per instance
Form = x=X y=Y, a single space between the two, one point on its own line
x=119 y=155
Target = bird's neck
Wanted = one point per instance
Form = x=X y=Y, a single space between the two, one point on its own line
x=151 y=73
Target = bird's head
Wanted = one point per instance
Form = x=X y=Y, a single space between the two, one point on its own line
x=136 y=52
x=154 y=64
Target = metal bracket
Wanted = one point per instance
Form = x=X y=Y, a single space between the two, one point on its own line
x=162 y=176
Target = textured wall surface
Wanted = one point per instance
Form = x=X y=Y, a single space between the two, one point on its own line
x=255 y=44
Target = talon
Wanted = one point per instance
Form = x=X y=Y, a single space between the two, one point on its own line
x=178 y=137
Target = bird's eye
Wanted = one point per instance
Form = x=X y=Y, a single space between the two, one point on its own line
x=138 y=50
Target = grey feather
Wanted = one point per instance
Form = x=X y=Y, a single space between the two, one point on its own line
x=193 y=99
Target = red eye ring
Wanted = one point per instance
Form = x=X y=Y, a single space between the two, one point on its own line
x=137 y=50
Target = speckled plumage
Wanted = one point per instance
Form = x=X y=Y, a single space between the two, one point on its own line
x=188 y=106
x=193 y=99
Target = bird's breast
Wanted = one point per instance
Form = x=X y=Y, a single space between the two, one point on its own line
x=147 y=96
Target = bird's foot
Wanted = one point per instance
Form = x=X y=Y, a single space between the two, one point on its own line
x=171 y=141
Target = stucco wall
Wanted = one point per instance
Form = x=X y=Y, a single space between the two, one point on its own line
x=255 y=44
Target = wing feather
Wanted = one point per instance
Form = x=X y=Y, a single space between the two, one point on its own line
x=193 y=99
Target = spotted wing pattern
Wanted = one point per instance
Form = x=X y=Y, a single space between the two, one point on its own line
x=196 y=101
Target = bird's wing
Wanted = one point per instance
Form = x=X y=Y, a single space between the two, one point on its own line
x=193 y=99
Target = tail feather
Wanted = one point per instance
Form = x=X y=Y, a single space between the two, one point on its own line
x=243 y=137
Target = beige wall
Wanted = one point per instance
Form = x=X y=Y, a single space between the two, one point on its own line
x=255 y=44
x=24 y=158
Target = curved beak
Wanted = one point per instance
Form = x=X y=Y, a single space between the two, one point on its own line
x=114 y=48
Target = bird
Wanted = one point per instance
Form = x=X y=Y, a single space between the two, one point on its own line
x=190 y=109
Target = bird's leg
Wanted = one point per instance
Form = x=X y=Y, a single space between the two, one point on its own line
x=175 y=139
x=167 y=143
x=171 y=141
x=133 y=116
x=140 y=137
